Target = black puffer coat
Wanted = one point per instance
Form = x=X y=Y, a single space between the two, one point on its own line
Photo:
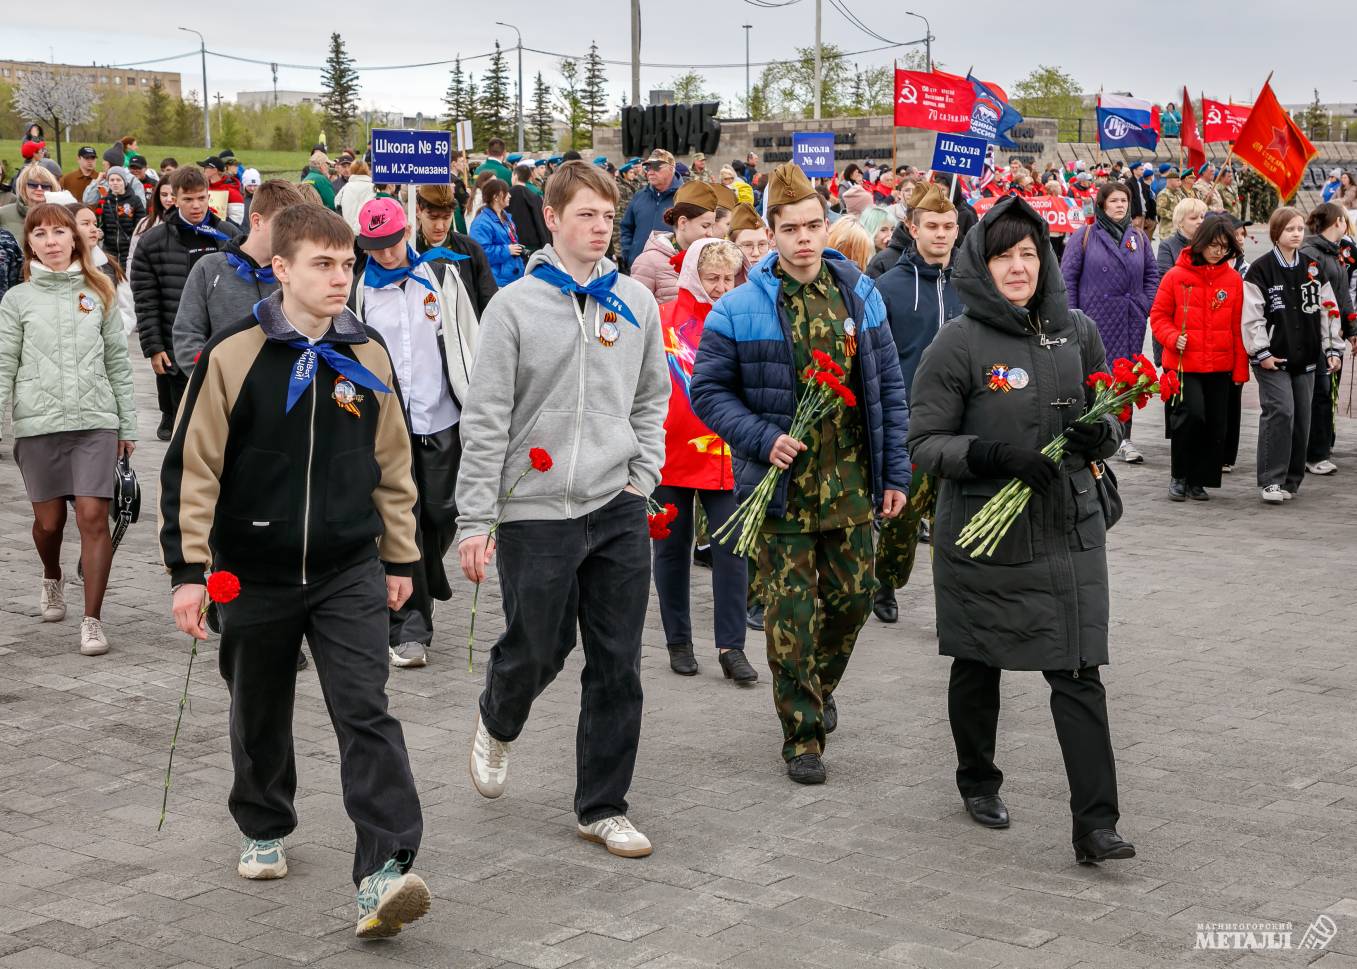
x=118 y=216
x=1041 y=601
x=164 y=256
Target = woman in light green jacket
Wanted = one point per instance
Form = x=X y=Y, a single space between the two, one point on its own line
x=64 y=368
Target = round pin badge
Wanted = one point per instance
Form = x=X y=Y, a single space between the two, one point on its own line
x=608 y=333
x=345 y=392
x=1018 y=378
x=850 y=328
x=431 y=306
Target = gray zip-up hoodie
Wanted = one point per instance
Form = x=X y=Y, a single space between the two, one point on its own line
x=214 y=298
x=543 y=379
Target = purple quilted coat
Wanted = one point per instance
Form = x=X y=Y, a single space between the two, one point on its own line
x=1114 y=284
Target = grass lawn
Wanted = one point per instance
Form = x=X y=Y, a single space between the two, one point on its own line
x=285 y=164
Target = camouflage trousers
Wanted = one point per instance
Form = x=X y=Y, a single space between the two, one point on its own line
x=816 y=588
x=898 y=538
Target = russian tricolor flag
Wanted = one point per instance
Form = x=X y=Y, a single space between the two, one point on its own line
x=1127 y=122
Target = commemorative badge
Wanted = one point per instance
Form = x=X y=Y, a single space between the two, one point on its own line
x=850 y=332
x=431 y=306
x=608 y=331
x=346 y=396
x=998 y=377
x=1018 y=378
x=1219 y=299
x=86 y=303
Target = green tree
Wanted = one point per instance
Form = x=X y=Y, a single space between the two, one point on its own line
x=541 y=126
x=1315 y=120
x=496 y=103
x=789 y=85
x=188 y=120
x=571 y=100
x=755 y=107
x=455 y=99
x=474 y=114
x=159 y=115
x=690 y=88
x=594 y=91
x=1048 y=92
x=340 y=100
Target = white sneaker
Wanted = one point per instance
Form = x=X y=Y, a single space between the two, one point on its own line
x=408 y=655
x=1129 y=454
x=1288 y=495
x=1226 y=468
x=93 y=642
x=1273 y=494
x=1321 y=467
x=261 y=860
x=618 y=835
x=489 y=762
x=52 y=602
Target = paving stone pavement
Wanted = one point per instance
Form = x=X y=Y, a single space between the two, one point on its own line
x=1232 y=696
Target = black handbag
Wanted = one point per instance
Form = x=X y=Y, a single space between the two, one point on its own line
x=1108 y=494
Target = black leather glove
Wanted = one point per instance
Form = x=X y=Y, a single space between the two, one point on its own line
x=1087 y=437
x=996 y=459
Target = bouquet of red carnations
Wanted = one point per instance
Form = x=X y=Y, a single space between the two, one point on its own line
x=824 y=391
x=1130 y=384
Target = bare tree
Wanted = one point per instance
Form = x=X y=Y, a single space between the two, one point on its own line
x=54 y=99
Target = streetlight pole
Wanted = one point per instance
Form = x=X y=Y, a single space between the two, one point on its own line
x=747 y=28
x=207 y=115
x=500 y=23
x=818 y=65
x=636 y=53
x=928 y=37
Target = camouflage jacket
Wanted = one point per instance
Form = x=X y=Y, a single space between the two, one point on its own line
x=625 y=190
x=1165 y=202
x=1229 y=199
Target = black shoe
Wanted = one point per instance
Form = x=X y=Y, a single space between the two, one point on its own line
x=1197 y=493
x=736 y=667
x=987 y=809
x=830 y=714
x=1177 y=489
x=681 y=659
x=301 y=659
x=754 y=619
x=806 y=769
x=166 y=429
x=884 y=605
x=1102 y=845
x=702 y=556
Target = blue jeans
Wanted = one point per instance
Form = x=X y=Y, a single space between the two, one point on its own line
x=674 y=565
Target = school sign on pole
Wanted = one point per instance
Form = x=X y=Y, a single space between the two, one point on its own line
x=403 y=157
x=959 y=155
x=813 y=153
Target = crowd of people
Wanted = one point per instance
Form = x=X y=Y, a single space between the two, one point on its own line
x=553 y=350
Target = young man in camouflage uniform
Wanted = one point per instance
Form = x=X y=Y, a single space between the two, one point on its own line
x=1167 y=200
x=1228 y=194
x=626 y=188
x=815 y=556
x=698 y=169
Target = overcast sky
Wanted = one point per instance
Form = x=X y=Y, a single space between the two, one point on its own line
x=1221 y=48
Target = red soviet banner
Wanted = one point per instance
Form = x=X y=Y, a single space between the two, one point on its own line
x=1221 y=121
x=1062 y=213
x=933 y=100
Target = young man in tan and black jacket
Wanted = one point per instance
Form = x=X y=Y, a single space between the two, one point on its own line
x=290 y=467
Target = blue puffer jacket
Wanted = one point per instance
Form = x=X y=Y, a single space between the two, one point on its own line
x=745 y=386
x=495 y=238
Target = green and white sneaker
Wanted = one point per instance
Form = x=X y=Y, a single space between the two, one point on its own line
x=389 y=900
x=262 y=859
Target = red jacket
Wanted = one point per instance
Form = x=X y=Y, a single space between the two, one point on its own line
x=1211 y=299
x=694 y=456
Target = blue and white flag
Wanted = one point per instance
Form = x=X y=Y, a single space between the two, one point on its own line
x=1127 y=123
x=992 y=115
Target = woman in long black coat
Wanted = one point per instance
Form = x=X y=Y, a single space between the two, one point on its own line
x=995 y=386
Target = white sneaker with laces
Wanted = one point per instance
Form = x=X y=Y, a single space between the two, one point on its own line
x=1321 y=467
x=52 y=602
x=1129 y=454
x=261 y=860
x=618 y=835
x=489 y=763
x=1288 y=495
x=1273 y=494
x=408 y=655
x=93 y=642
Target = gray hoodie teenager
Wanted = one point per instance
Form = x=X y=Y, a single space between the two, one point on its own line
x=215 y=297
x=543 y=380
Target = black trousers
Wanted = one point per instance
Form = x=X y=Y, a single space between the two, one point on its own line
x=1198 y=428
x=592 y=572
x=1079 y=708
x=1322 y=434
x=344 y=619
x=674 y=568
x=1230 y=455
x=436 y=458
x=169 y=390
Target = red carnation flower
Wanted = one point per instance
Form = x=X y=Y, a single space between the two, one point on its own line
x=222 y=586
x=825 y=362
x=1125 y=414
x=1168 y=385
x=1145 y=367
x=1099 y=380
x=541 y=460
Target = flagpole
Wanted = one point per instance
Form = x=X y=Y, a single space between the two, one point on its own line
x=895 y=160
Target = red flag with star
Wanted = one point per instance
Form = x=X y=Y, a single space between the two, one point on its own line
x=1274 y=145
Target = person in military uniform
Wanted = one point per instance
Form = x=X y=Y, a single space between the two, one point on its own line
x=1258 y=198
x=626 y=188
x=1227 y=193
x=1205 y=188
x=815 y=556
x=1167 y=200
x=698 y=169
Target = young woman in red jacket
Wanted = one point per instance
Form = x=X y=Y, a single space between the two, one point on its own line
x=1196 y=317
x=697 y=466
